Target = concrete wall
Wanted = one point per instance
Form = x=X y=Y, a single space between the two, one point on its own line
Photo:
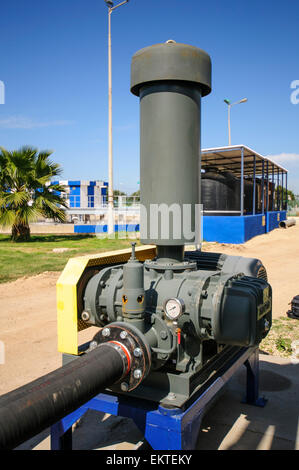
x=238 y=229
x=37 y=229
x=104 y=228
x=70 y=229
x=254 y=225
x=273 y=219
x=221 y=229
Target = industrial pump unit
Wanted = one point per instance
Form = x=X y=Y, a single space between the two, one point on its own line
x=182 y=308
x=168 y=318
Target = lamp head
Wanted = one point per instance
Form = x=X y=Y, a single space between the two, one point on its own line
x=227 y=101
x=109 y=3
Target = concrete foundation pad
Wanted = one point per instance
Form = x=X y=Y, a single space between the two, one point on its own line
x=231 y=424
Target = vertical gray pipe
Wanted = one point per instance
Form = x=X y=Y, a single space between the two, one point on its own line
x=170 y=80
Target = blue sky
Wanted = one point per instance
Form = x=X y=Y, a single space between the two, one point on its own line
x=53 y=62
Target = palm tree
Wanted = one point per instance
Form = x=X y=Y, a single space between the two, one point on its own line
x=26 y=192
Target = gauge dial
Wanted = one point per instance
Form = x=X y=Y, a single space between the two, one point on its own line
x=174 y=308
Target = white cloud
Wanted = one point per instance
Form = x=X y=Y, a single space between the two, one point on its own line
x=290 y=161
x=21 y=122
x=284 y=157
x=124 y=127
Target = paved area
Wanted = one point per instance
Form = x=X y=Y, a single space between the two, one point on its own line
x=232 y=425
x=229 y=425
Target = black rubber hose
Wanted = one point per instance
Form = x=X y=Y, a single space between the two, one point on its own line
x=30 y=409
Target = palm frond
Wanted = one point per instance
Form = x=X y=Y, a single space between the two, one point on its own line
x=7 y=217
x=14 y=199
x=27 y=214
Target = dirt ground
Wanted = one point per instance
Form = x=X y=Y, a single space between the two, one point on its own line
x=28 y=306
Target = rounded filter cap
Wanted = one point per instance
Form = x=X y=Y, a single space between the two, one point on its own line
x=171 y=61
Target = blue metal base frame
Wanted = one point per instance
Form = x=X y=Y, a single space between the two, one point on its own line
x=252 y=389
x=163 y=428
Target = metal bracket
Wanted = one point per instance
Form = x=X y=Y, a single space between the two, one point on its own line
x=252 y=385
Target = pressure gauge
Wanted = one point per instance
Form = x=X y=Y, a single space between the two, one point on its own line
x=174 y=308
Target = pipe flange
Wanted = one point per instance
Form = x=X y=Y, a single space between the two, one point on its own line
x=133 y=349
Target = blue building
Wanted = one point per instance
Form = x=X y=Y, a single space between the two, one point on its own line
x=85 y=194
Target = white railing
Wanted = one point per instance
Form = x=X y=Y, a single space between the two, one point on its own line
x=101 y=203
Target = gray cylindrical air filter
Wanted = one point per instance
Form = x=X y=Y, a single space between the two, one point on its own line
x=170 y=80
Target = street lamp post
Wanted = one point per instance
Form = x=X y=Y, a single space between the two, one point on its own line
x=111 y=8
x=229 y=104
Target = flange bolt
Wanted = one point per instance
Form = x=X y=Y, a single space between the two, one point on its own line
x=106 y=332
x=124 y=387
x=137 y=374
x=137 y=352
x=123 y=335
x=85 y=316
x=171 y=396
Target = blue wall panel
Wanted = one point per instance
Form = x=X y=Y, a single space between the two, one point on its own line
x=238 y=229
x=223 y=229
x=104 y=228
x=254 y=225
x=273 y=219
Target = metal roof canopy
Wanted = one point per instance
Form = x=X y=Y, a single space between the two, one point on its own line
x=230 y=159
